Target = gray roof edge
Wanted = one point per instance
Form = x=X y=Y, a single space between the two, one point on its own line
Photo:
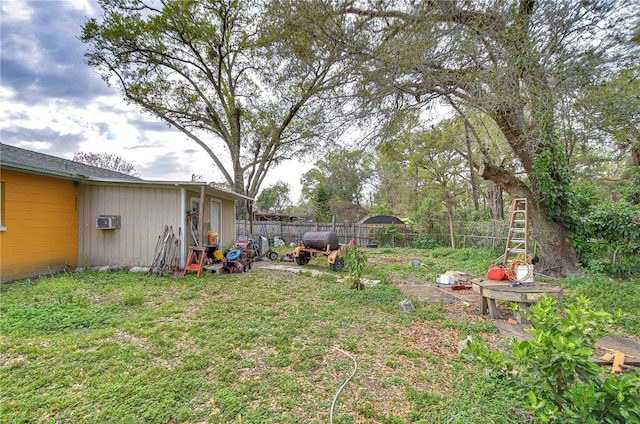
x=40 y=171
x=182 y=184
x=19 y=159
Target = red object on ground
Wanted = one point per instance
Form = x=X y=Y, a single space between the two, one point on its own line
x=496 y=273
x=461 y=287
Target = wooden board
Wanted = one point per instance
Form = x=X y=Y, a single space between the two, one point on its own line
x=611 y=342
x=631 y=349
x=517 y=331
x=523 y=295
x=503 y=291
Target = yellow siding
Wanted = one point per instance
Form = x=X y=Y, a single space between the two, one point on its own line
x=41 y=220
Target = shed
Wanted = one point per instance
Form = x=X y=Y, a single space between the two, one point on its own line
x=58 y=214
x=372 y=228
x=381 y=220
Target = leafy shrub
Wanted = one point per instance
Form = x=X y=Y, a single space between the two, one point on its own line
x=618 y=297
x=425 y=241
x=631 y=190
x=355 y=261
x=608 y=238
x=388 y=235
x=553 y=372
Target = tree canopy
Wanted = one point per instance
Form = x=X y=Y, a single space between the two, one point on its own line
x=274 y=198
x=224 y=75
x=342 y=175
x=513 y=62
x=106 y=161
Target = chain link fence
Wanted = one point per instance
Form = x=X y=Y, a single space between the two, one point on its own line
x=486 y=234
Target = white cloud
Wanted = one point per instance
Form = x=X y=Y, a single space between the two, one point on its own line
x=53 y=102
x=16 y=10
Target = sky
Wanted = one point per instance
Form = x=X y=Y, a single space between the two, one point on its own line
x=52 y=102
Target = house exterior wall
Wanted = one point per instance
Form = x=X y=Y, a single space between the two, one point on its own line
x=40 y=222
x=227 y=218
x=143 y=210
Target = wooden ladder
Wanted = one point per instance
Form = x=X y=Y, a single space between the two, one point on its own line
x=195 y=263
x=192 y=219
x=518 y=230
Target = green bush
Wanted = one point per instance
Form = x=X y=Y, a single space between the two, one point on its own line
x=553 y=372
x=387 y=235
x=608 y=238
x=355 y=261
x=424 y=241
x=617 y=296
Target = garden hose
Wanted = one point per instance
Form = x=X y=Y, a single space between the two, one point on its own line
x=355 y=369
x=520 y=260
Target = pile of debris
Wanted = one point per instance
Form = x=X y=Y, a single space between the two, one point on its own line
x=456 y=280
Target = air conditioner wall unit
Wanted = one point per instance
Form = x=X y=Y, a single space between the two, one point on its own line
x=108 y=222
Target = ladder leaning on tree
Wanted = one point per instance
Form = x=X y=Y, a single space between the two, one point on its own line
x=518 y=231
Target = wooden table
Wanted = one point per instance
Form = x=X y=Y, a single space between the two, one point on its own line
x=523 y=295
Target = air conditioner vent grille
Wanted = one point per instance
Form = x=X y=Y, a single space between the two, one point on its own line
x=108 y=222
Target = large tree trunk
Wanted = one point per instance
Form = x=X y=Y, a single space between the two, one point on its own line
x=495 y=201
x=472 y=171
x=557 y=256
x=635 y=156
x=452 y=230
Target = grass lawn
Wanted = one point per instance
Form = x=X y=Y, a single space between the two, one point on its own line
x=256 y=347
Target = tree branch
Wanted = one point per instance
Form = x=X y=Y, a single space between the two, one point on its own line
x=505 y=180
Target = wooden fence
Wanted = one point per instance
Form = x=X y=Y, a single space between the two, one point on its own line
x=490 y=235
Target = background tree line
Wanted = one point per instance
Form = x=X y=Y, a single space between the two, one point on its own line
x=534 y=99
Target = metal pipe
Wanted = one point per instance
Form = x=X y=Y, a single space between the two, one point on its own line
x=547 y=276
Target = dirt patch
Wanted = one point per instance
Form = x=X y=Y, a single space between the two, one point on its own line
x=7 y=359
x=460 y=304
x=428 y=293
x=438 y=342
x=467 y=298
x=286 y=267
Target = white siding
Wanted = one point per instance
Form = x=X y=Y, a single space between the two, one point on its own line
x=227 y=217
x=144 y=212
x=228 y=221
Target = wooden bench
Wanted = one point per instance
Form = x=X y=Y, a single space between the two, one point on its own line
x=524 y=295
